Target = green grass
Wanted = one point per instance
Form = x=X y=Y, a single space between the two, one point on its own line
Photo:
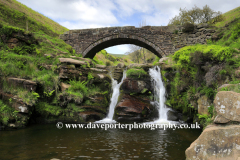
x=107 y=59
x=229 y=17
x=52 y=45
x=136 y=73
x=230 y=37
x=234 y=88
x=16 y=14
x=46 y=109
x=213 y=52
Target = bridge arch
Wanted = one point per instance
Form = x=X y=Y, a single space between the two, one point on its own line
x=161 y=40
x=119 y=39
x=157 y=39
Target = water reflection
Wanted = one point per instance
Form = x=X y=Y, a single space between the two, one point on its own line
x=47 y=142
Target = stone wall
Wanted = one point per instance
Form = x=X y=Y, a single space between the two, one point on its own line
x=161 y=40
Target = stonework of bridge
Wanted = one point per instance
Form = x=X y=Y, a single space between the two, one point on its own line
x=160 y=40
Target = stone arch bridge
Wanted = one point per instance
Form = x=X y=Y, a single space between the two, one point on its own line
x=161 y=40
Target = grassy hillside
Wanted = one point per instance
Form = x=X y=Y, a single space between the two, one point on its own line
x=14 y=13
x=105 y=58
x=117 y=55
x=228 y=17
x=149 y=57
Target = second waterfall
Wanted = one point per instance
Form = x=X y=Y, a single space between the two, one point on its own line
x=159 y=93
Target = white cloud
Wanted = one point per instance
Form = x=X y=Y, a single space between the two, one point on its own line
x=123 y=48
x=88 y=13
x=80 y=25
x=157 y=19
x=103 y=13
x=129 y=7
x=119 y=49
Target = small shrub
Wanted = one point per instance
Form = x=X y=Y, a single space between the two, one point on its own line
x=46 y=109
x=210 y=110
x=6 y=113
x=209 y=92
x=224 y=89
x=77 y=86
x=156 y=60
x=108 y=63
x=222 y=72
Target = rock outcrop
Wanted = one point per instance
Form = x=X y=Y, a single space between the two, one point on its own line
x=24 y=83
x=216 y=143
x=136 y=86
x=133 y=108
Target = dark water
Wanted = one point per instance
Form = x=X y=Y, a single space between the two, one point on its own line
x=48 y=142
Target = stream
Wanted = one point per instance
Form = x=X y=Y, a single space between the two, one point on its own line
x=48 y=142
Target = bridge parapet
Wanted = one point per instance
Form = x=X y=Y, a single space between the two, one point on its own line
x=161 y=40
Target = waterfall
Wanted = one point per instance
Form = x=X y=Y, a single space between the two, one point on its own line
x=159 y=93
x=114 y=100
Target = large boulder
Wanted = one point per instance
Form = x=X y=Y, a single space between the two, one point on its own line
x=216 y=143
x=227 y=104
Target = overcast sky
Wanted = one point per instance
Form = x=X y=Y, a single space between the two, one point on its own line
x=80 y=14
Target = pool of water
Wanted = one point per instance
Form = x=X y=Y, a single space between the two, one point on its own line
x=48 y=142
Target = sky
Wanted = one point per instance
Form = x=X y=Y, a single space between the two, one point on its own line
x=82 y=14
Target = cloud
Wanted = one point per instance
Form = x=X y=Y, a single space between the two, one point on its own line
x=81 y=25
x=130 y=7
x=119 y=49
x=157 y=19
x=88 y=13
x=103 y=13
